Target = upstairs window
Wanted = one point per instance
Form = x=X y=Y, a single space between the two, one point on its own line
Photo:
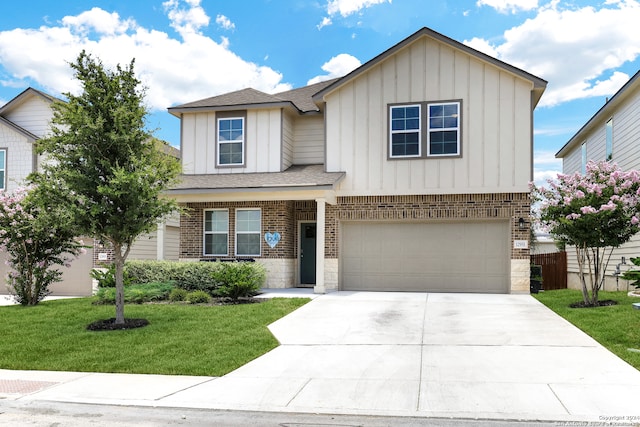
x=426 y=129
x=231 y=141
x=405 y=131
x=444 y=129
x=609 y=133
x=3 y=169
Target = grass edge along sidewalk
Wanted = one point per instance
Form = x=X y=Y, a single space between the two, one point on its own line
x=180 y=339
x=616 y=327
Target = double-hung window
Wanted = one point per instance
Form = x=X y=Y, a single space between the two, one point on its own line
x=231 y=141
x=406 y=135
x=248 y=232
x=216 y=232
x=425 y=129
x=3 y=169
x=443 y=133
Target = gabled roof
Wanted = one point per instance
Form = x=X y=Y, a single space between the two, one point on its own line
x=28 y=92
x=603 y=113
x=539 y=84
x=17 y=128
x=300 y=99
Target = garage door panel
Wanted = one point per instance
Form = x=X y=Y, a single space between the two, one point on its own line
x=434 y=257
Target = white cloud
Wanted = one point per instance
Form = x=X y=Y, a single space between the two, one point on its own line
x=505 y=6
x=337 y=66
x=573 y=49
x=325 y=21
x=186 y=20
x=225 y=22
x=348 y=7
x=99 y=21
x=345 y=8
x=546 y=167
x=175 y=70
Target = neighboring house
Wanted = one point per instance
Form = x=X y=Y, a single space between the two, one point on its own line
x=613 y=133
x=408 y=174
x=25 y=119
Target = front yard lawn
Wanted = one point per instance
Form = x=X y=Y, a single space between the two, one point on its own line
x=179 y=340
x=616 y=327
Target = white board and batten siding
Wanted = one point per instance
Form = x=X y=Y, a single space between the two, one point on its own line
x=496 y=125
x=263 y=143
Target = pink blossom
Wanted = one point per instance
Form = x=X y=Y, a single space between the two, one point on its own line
x=588 y=209
x=635 y=220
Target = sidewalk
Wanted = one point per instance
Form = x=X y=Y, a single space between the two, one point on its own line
x=399 y=354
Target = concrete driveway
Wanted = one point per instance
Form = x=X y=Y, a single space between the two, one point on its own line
x=408 y=354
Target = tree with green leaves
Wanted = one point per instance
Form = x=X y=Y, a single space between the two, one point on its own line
x=38 y=239
x=104 y=166
x=595 y=212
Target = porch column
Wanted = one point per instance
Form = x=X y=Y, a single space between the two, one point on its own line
x=320 y=220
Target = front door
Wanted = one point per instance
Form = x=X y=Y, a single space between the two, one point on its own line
x=307 y=253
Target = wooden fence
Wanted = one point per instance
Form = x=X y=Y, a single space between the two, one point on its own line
x=554 y=269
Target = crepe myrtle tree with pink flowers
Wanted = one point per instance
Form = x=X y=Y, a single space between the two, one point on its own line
x=38 y=240
x=595 y=212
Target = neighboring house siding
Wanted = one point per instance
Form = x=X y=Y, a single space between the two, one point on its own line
x=496 y=125
x=263 y=143
x=309 y=140
x=172 y=243
x=33 y=115
x=19 y=160
x=625 y=116
x=288 y=140
x=145 y=247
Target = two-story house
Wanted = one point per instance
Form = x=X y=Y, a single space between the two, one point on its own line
x=408 y=174
x=23 y=121
x=612 y=133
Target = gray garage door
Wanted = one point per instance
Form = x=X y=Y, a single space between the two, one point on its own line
x=434 y=257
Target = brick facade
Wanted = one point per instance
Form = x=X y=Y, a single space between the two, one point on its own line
x=276 y=216
x=283 y=217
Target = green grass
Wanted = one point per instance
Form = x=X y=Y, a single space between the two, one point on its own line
x=615 y=327
x=180 y=339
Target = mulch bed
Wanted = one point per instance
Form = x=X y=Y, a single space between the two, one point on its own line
x=604 y=303
x=111 y=325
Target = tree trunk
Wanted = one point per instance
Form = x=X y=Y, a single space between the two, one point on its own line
x=119 y=264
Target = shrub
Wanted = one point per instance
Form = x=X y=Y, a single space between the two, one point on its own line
x=186 y=275
x=198 y=297
x=238 y=279
x=137 y=294
x=107 y=277
x=177 y=294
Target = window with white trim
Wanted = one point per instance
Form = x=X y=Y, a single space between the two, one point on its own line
x=216 y=232
x=248 y=232
x=609 y=136
x=443 y=129
x=583 y=154
x=406 y=134
x=230 y=140
x=3 y=169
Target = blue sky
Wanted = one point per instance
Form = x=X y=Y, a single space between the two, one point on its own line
x=191 y=49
